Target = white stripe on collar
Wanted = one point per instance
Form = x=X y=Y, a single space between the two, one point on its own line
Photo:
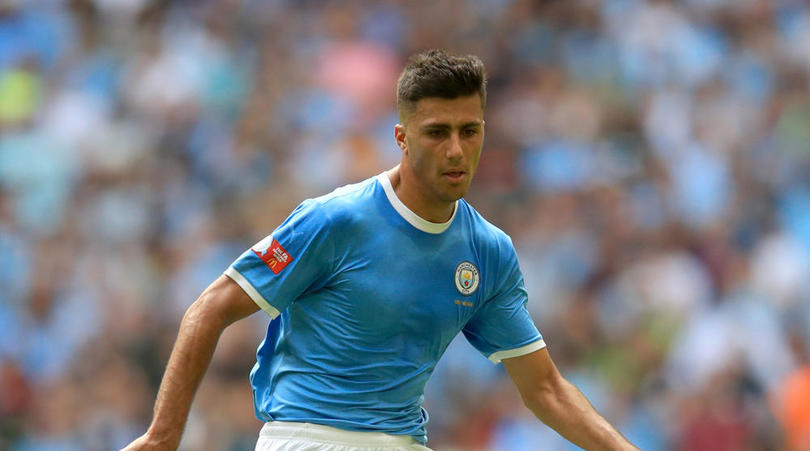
x=406 y=213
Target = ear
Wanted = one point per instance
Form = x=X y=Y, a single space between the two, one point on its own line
x=399 y=136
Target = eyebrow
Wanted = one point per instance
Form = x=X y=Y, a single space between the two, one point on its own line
x=444 y=125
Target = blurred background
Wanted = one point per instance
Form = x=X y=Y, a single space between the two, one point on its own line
x=650 y=159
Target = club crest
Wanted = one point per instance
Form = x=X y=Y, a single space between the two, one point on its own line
x=467 y=278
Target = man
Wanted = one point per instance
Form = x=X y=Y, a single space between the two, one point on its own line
x=371 y=283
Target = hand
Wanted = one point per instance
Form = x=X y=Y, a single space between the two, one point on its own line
x=146 y=442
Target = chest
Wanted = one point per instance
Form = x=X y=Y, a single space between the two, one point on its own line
x=425 y=285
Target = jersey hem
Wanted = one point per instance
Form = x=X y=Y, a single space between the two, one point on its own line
x=254 y=294
x=496 y=357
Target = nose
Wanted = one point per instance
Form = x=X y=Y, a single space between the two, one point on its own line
x=454 y=150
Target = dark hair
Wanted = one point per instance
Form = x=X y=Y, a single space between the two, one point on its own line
x=436 y=73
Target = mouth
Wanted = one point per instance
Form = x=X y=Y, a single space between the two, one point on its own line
x=454 y=176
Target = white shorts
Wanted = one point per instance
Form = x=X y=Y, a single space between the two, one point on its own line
x=289 y=436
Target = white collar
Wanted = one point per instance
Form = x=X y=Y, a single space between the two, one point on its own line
x=406 y=213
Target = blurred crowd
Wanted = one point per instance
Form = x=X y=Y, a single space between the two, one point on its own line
x=650 y=159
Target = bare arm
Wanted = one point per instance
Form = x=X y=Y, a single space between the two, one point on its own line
x=559 y=404
x=221 y=304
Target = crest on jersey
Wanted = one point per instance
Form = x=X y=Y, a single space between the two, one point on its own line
x=467 y=278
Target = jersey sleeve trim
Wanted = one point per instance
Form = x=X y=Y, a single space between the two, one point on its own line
x=496 y=357
x=252 y=292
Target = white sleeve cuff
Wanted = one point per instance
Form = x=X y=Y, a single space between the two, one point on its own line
x=252 y=292
x=496 y=357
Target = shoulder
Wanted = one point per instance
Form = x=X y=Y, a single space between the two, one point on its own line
x=345 y=203
x=484 y=232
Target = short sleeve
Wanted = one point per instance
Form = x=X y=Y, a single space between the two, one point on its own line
x=502 y=327
x=296 y=258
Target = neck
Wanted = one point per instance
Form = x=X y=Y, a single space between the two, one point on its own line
x=410 y=193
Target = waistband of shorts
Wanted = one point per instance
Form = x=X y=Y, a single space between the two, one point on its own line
x=328 y=434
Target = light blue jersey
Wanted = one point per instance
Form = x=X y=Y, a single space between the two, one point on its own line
x=370 y=295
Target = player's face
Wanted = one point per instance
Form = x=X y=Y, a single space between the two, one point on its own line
x=441 y=142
